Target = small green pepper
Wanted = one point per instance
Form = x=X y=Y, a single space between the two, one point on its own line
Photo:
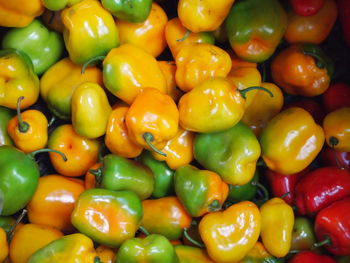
x=5 y=115
x=238 y=193
x=303 y=236
x=56 y=5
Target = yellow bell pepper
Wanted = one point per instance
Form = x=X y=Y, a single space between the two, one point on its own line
x=4 y=248
x=231 y=234
x=277 y=222
x=168 y=69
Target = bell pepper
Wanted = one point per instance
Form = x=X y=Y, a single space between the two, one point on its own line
x=344 y=18
x=76 y=248
x=119 y=173
x=199 y=16
x=231 y=234
x=258 y=254
x=28 y=129
x=17 y=79
x=311 y=257
x=277 y=221
x=306 y=7
x=197 y=62
x=163 y=175
x=336 y=96
x=255 y=28
x=8 y=223
x=19 y=13
x=311 y=29
x=133 y=11
x=82 y=153
x=178 y=150
x=303 y=236
x=117 y=138
x=148 y=34
x=177 y=36
x=190 y=254
x=311 y=105
x=331 y=157
x=200 y=191
x=245 y=192
x=6 y=115
x=233 y=153
x=302 y=69
x=153 y=248
x=53 y=201
x=56 y=5
x=165 y=216
x=30 y=238
x=4 y=249
x=108 y=217
x=58 y=83
x=90 y=110
x=44 y=47
x=106 y=254
x=20 y=174
x=320 y=188
x=168 y=69
x=336 y=126
x=332 y=223
x=152 y=119
x=88 y=22
x=291 y=135
x=143 y=71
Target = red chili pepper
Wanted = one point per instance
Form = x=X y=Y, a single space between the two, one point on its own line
x=313 y=107
x=320 y=188
x=336 y=96
x=281 y=184
x=311 y=257
x=333 y=222
x=306 y=7
x=344 y=17
x=330 y=157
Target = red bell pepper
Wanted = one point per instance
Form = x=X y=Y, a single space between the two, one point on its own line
x=320 y=188
x=333 y=222
x=344 y=17
x=311 y=257
x=336 y=96
x=331 y=157
x=306 y=7
x=313 y=107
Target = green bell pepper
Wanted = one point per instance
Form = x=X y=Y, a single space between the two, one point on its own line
x=119 y=173
x=154 y=248
x=5 y=116
x=238 y=193
x=233 y=153
x=44 y=47
x=133 y=11
x=56 y=5
x=163 y=175
x=303 y=236
x=255 y=28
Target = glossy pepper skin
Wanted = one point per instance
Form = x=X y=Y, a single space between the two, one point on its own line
x=154 y=248
x=233 y=153
x=55 y=5
x=258 y=254
x=89 y=22
x=336 y=126
x=330 y=157
x=168 y=69
x=165 y=216
x=90 y=110
x=134 y=11
x=19 y=13
x=17 y=79
x=199 y=16
x=108 y=217
x=148 y=34
x=311 y=257
x=253 y=34
x=3 y=245
x=277 y=221
x=197 y=62
x=143 y=71
x=53 y=201
x=44 y=47
x=5 y=116
x=291 y=134
x=320 y=188
x=190 y=254
x=200 y=191
x=302 y=69
x=229 y=235
x=306 y=7
x=303 y=236
x=76 y=248
x=245 y=192
x=336 y=96
x=152 y=119
x=311 y=29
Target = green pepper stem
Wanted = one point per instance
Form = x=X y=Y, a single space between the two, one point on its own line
x=148 y=137
x=326 y=241
x=144 y=230
x=214 y=206
x=22 y=125
x=97 y=173
x=244 y=91
x=185 y=36
x=194 y=242
x=320 y=62
x=97 y=260
x=285 y=194
x=32 y=154
x=333 y=141
x=91 y=60
x=18 y=220
x=263 y=189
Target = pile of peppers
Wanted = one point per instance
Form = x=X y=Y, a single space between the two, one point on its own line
x=175 y=131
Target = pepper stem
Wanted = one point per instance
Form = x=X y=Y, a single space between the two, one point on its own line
x=263 y=189
x=90 y=61
x=18 y=220
x=148 y=137
x=22 y=125
x=144 y=230
x=52 y=120
x=326 y=241
x=97 y=260
x=194 y=242
x=97 y=173
x=244 y=91
x=185 y=36
x=32 y=154
x=214 y=206
x=285 y=194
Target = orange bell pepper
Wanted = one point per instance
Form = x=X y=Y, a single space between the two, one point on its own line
x=169 y=70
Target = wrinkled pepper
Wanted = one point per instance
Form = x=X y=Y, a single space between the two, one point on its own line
x=303 y=236
x=108 y=217
x=233 y=153
x=6 y=115
x=56 y=5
